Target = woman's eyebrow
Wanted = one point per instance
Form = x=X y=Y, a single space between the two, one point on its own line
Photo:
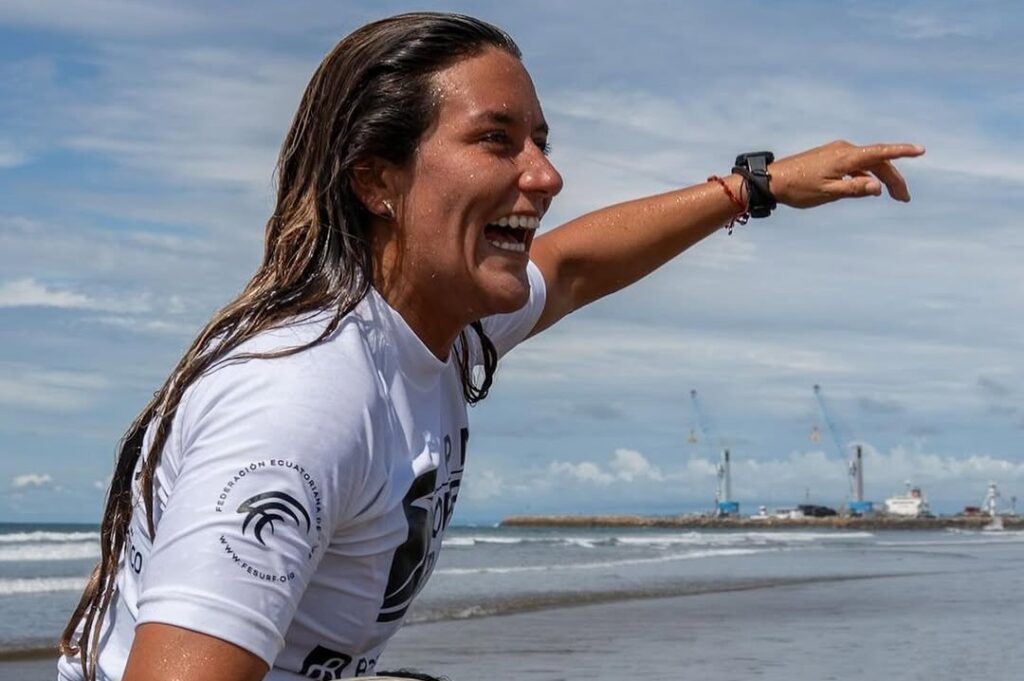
x=505 y=118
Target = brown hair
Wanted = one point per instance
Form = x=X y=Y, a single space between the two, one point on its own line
x=370 y=97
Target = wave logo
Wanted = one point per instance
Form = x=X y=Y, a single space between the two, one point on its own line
x=413 y=560
x=324 y=664
x=271 y=507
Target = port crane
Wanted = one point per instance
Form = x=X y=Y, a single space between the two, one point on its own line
x=724 y=505
x=855 y=463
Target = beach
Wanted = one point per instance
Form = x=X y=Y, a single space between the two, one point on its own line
x=604 y=604
x=933 y=627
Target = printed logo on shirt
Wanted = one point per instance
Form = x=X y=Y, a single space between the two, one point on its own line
x=280 y=505
x=428 y=509
x=271 y=507
x=324 y=664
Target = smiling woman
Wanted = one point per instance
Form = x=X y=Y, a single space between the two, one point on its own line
x=280 y=502
x=467 y=205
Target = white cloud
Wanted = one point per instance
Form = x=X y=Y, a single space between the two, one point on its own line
x=627 y=465
x=165 y=273
x=769 y=363
x=928 y=21
x=48 y=390
x=32 y=480
x=11 y=157
x=583 y=472
x=19 y=224
x=31 y=293
x=150 y=326
x=484 y=485
x=220 y=115
x=104 y=17
x=943 y=471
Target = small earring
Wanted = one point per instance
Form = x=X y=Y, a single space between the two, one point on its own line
x=389 y=210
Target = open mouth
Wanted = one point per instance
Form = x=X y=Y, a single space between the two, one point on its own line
x=512 y=233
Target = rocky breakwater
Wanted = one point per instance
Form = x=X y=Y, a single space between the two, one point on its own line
x=696 y=522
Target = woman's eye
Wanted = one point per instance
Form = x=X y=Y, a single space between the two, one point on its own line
x=496 y=137
x=501 y=138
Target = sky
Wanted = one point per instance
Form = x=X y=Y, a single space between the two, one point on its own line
x=137 y=146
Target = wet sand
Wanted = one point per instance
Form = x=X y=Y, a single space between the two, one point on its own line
x=28 y=669
x=940 y=627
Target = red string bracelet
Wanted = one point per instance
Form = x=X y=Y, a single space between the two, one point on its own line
x=742 y=215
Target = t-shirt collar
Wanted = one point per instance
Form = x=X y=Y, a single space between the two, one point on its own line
x=416 y=362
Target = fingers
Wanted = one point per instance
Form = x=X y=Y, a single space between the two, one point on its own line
x=876 y=153
x=894 y=182
x=857 y=184
x=877 y=158
x=840 y=169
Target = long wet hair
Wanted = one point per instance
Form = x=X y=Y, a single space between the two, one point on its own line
x=371 y=97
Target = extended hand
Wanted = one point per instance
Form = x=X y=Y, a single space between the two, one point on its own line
x=840 y=170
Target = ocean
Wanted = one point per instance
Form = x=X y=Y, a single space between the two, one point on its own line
x=509 y=603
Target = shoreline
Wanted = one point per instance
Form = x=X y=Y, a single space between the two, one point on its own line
x=31 y=652
x=746 y=522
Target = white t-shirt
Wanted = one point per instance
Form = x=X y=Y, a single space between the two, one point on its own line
x=302 y=500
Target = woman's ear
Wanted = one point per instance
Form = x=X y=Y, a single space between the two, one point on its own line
x=374 y=183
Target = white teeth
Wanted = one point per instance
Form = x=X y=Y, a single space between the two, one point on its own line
x=518 y=222
x=509 y=246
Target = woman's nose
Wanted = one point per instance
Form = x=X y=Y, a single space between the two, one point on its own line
x=540 y=175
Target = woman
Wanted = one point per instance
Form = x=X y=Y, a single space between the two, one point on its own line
x=282 y=499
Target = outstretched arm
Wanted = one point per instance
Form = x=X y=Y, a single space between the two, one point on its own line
x=609 y=249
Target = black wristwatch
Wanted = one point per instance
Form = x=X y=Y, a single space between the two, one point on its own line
x=753 y=166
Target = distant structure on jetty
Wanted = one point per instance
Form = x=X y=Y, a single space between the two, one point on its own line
x=724 y=503
x=855 y=466
x=989 y=517
x=911 y=504
x=907 y=511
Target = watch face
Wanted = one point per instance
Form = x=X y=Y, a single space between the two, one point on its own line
x=759 y=162
x=756 y=161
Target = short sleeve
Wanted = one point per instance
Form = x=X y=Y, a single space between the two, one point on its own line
x=508 y=330
x=268 y=461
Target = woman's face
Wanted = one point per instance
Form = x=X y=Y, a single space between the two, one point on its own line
x=478 y=172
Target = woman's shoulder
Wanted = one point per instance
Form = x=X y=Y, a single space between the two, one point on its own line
x=297 y=365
